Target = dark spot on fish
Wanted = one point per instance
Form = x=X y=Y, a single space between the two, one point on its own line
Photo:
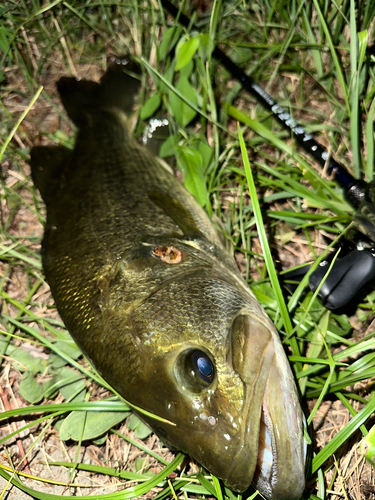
x=161 y=432
x=169 y=255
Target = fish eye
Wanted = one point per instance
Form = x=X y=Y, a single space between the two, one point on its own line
x=194 y=370
x=203 y=365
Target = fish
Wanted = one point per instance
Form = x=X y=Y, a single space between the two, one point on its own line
x=149 y=289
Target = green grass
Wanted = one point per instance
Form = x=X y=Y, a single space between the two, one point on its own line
x=277 y=209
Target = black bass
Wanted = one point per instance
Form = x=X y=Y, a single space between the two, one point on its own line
x=149 y=290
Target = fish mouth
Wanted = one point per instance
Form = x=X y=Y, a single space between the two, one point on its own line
x=273 y=449
x=280 y=470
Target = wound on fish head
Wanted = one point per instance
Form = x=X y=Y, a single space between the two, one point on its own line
x=167 y=254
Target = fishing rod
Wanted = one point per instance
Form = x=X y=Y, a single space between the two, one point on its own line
x=354 y=189
x=351 y=273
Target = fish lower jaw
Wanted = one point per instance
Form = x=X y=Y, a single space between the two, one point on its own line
x=276 y=476
x=264 y=469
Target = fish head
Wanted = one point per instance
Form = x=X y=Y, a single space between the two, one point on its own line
x=217 y=370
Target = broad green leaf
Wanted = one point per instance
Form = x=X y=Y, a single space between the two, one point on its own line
x=204 y=43
x=163 y=87
x=150 y=106
x=74 y=388
x=100 y=441
x=56 y=361
x=26 y=361
x=4 y=39
x=189 y=161
x=68 y=347
x=141 y=430
x=169 y=40
x=64 y=380
x=96 y=424
x=182 y=112
x=33 y=391
x=141 y=464
x=187 y=70
x=367 y=446
x=5 y=344
x=168 y=148
x=362 y=42
x=264 y=293
x=185 y=52
x=206 y=153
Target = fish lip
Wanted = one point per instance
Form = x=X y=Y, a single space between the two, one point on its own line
x=280 y=468
x=249 y=328
x=271 y=413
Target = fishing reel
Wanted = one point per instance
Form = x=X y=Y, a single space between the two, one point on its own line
x=342 y=277
x=352 y=270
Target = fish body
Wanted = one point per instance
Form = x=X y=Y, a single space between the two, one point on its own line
x=147 y=287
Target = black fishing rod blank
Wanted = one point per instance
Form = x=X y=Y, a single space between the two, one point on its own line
x=354 y=271
x=354 y=189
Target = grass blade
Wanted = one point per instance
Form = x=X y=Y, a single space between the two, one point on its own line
x=263 y=238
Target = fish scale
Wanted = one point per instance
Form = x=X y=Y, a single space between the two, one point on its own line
x=148 y=288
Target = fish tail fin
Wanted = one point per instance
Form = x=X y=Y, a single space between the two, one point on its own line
x=117 y=90
x=82 y=99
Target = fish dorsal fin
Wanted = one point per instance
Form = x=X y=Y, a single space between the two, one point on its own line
x=178 y=212
x=195 y=226
x=221 y=231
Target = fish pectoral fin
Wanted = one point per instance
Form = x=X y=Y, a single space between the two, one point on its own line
x=181 y=215
x=221 y=231
x=47 y=164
